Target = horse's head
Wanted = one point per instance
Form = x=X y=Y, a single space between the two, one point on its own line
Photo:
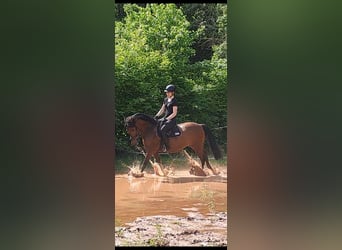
x=131 y=130
x=138 y=124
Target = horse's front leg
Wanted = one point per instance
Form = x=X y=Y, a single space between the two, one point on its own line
x=146 y=160
x=157 y=157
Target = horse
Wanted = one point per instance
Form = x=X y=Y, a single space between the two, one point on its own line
x=192 y=135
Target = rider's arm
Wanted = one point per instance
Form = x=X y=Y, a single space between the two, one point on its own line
x=161 y=111
x=174 y=113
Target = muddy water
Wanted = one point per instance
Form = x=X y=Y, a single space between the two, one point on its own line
x=153 y=195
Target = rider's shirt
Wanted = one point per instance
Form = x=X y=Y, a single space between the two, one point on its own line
x=169 y=104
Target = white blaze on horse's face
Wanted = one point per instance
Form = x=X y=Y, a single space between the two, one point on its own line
x=132 y=131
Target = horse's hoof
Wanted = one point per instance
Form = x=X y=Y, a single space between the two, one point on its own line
x=137 y=175
x=217 y=171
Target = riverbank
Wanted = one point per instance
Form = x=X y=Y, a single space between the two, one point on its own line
x=195 y=229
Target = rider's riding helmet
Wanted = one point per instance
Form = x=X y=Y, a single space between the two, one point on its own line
x=170 y=88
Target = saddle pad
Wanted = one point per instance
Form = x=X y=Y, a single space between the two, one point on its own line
x=175 y=131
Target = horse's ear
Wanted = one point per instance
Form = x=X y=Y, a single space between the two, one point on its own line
x=125 y=119
x=129 y=121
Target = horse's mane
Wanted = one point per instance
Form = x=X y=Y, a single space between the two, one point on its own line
x=145 y=117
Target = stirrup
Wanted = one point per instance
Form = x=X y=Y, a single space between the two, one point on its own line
x=163 y=148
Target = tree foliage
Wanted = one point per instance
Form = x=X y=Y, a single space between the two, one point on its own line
x=153 y=47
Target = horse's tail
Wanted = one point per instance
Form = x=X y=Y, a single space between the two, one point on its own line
x=212 y=142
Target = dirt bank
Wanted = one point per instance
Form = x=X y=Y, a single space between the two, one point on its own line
x=195 y=229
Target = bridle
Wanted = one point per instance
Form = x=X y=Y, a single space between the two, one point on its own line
x=131 y=124
x=137 y=133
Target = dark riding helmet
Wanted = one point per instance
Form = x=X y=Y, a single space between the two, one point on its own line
x=170 y=88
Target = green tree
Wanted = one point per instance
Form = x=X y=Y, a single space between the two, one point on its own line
x=154 y=46
x=152 y=49
x=220 y=49
x=203 y=15
x=210 y=79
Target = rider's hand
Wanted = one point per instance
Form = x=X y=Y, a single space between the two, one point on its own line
x=162 y=119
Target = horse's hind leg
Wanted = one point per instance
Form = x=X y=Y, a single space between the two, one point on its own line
x=205 y=156
x=208 y=164
x=200 y=153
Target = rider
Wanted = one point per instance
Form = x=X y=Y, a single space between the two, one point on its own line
x=170 y=108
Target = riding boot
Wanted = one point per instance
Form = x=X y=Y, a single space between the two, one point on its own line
x=163 y=143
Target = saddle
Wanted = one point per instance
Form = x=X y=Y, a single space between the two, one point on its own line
x=173 y=132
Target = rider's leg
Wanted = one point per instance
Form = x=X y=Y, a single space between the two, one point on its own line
x=164 y=129
x=163 y=141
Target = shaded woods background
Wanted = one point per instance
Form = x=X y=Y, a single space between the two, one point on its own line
x=283 y=125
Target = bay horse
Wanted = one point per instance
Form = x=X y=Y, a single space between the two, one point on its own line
x=192 y=135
